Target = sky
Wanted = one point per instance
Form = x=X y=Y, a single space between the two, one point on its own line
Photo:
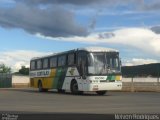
x=30 y=28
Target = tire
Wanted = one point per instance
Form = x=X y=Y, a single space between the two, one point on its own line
x=40 y=87
x=74 y=88
x=45 y=90
x=101 y=92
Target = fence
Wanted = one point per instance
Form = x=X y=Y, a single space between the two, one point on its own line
x=141 y=84
x=5 y=80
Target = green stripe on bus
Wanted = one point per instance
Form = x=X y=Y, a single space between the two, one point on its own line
x=59 y=78
x=111 y=77
x=62 y=77
x=56 y=78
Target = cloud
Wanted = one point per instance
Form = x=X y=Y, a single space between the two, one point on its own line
x=139 y=38
x=156 y=29
x=106 y=35
x=150 y=5
x=18 y=58
x=138 y=61
x=140 y=5
x=75 y=2
x=55 y=21
x=54 y=18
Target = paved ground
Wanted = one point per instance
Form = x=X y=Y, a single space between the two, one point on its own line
x=29 y=100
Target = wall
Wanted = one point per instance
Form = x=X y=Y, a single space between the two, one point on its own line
x=20 y=81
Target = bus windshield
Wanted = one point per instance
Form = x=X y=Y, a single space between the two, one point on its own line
x=103 y=63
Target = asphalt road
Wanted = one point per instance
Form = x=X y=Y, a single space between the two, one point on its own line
x=30 y=101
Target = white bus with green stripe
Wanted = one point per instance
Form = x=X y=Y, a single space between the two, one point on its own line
x=80 y=70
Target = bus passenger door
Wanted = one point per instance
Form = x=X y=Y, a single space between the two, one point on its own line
x=82 y=69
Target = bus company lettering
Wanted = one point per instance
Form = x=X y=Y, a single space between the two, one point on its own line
x=32 y=74
x=43 y=73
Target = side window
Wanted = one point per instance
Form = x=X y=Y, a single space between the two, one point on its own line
x=33 y=65
x=45 y=63
x=62 y=60
x=39 y=64
x=53 y=62
x=79 y=59
x=71 y=59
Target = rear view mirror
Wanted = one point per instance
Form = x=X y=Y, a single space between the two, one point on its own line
x=120 y=62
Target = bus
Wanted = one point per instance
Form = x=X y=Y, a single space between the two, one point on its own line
x=96 y=69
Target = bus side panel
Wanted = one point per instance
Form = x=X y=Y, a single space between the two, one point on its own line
x=62 y=77
x=48 y=82
x=59 y=78
x=34 y=82
x=56 y=78
x=71 y=74
x=31 y=82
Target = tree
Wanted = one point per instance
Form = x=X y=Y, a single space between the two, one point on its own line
x=4 y=69
x=24 y=70
x=142 y=70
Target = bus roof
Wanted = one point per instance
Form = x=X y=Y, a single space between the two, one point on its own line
x=88 y=49
x=98 y=49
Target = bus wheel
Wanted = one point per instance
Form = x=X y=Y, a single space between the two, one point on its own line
x=40 y=89
x=74 y=87
x=101 y=92
x=45 y=90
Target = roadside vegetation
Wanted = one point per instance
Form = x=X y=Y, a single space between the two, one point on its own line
x=148 y=70
x=4 y=69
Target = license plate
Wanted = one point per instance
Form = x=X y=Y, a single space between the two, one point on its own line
x=95 y=89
